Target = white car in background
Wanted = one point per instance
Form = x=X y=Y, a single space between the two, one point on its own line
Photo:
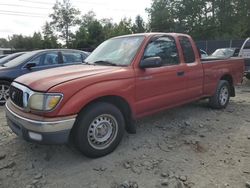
x=245 y=53
x=203 y=53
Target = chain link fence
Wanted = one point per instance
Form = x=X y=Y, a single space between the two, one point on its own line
x=211 y=45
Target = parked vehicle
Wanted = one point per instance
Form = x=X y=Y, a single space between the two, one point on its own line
x=203 y=53
x=35 y=61
x=226 y=52
x=245 y=53
x=2 y=56
x=124 y=79
x=10 y=57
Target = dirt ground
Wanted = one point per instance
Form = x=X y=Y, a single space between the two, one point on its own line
x=190 y=146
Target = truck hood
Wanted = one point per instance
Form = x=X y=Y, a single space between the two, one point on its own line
x=44 y=80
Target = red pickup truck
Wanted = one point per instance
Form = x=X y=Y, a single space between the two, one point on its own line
x=124 y=79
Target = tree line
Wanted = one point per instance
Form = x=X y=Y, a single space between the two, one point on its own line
x=203 y=19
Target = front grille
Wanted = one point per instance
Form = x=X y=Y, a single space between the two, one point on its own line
x=16 y=95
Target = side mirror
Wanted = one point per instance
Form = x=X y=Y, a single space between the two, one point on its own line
x=151 y=62
x=30 y=65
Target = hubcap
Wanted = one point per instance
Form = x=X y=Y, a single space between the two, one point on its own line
x=224 y=94
x=4 y=93
x=102 y=131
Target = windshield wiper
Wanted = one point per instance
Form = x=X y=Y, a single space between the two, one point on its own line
x=101 y=62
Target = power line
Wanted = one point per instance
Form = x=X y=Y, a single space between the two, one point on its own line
x=44 y=3
x=11 y=5
x=13 y=14
x=83 y=2
x=26 y=13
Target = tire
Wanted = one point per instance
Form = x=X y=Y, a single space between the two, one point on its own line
x=4 y=91
x=222 y=95
x=99 y=129
x=248 y=76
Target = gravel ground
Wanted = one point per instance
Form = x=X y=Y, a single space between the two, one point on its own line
x=190 y=146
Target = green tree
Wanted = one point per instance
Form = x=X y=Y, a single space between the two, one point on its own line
x=37 y=41
x=161 y=16
x=123 y=28
x=139 y=25
x=4 y=43
x=49 y=38
x=63 y=18
x=203 y=19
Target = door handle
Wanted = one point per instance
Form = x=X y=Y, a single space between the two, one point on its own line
x=181 y=73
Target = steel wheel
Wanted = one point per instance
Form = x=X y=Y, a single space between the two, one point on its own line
x=224 y=94
x=102 y=131
x=4 y=93
x=221 y=96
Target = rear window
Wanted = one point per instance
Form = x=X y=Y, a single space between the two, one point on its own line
x=187 y=49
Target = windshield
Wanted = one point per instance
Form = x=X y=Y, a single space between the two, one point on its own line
x=116 y=51
x=19 y=60
x=223 y=52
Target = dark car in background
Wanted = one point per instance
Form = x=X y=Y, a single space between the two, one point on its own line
x=36 y=61
x=10 y=57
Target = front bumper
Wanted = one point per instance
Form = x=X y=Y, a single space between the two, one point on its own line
x=41 y=131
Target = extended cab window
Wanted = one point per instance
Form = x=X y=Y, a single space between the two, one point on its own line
x=187 y=49
x=165 y=48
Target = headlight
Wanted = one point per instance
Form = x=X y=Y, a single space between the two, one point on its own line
x=44 y=101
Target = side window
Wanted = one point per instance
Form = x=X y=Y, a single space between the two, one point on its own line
x=72 y=57
x=84 y=56
x=37 y=60
x=164 y=47
x=187 y=49
x=50 y=58
x=45 y=59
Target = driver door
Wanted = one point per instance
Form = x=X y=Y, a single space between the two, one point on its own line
x=160 y=87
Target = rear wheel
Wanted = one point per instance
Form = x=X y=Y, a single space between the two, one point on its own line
x=4 y=91
x=99 y=129
x=222 y=95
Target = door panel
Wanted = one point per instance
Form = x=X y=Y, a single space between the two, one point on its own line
x=164 y=86
x=160 y=87
x=195 y=80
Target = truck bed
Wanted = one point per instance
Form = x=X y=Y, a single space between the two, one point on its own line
x=214 y=68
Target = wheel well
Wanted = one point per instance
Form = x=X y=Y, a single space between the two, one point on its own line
x=121 y=104
x=229 y=78
x=5 y=79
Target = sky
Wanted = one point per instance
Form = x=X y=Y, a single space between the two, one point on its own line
x=28 y=16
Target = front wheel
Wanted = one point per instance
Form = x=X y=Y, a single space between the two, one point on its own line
x=4 y=91
x=99 y=129
x=222 y=95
